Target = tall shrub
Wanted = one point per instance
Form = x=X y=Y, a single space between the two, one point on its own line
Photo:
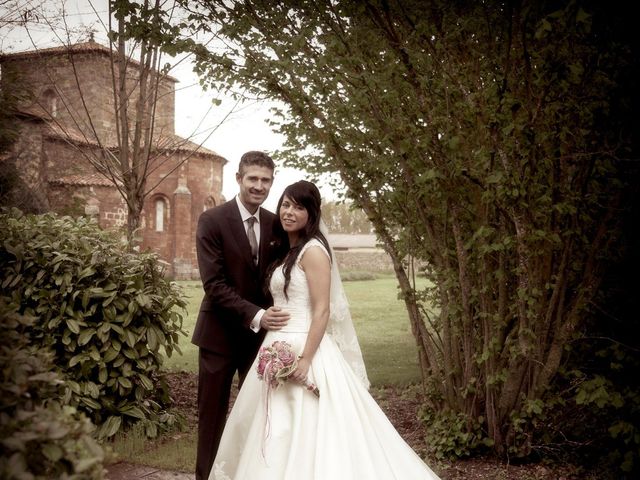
x=104 y=312
x=483 y=138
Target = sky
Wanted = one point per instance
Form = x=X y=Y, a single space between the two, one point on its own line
x=243 y=130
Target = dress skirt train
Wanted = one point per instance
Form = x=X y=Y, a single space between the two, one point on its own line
x=289 y=433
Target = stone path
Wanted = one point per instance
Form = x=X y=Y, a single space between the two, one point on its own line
x=128 y=471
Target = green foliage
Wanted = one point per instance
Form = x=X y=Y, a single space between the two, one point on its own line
x=592 y=413
x=345 y=218
x=484 y=139
x=453 y=434
x=614 y=409
x=598 y=398
x=39 y=437
x=104 y=313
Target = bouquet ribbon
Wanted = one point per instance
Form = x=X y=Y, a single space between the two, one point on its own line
x=276 y=363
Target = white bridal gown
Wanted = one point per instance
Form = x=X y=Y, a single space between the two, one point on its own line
x=343 y=435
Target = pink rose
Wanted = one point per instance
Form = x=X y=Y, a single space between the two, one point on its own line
x=287 y=357
x=281 y=346
x=262 y=362
x=276 y=365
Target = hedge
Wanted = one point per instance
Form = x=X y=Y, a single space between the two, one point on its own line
x=104 y=312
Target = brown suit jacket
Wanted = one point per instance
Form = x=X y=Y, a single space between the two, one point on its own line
x=233 y=285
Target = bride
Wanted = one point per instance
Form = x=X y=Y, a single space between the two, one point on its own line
x=286 y=432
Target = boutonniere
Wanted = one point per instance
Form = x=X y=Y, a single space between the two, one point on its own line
x=272 y=243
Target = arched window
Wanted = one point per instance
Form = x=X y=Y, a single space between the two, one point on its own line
x=160 y=214
x=50 y=102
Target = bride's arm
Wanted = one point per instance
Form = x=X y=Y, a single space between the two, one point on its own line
x=317 y=268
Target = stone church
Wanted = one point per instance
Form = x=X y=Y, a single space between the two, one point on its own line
x=69 y=118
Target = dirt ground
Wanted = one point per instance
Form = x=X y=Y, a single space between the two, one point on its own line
x=402 y=411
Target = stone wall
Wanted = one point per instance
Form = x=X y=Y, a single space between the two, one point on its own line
x=369 y=260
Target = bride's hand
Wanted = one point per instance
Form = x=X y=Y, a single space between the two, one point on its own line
x=300 y=374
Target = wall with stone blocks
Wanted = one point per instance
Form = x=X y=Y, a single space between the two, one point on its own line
x=370 y=261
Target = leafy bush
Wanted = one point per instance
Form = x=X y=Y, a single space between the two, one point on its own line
x=593 y=411
x=591 y=415
x=41 y=439
x=104 y=312
x=452 y=434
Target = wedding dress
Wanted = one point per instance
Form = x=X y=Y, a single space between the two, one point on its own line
x=288 y=433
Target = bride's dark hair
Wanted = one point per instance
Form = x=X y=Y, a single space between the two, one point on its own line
x=307 y=195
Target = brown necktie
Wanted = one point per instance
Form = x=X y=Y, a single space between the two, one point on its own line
x=252 y=239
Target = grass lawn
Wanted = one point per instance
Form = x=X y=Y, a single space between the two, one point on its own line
x=391 y=358
x=188 y=361
x=380 y=319
x=385 y=337
x=382 y=324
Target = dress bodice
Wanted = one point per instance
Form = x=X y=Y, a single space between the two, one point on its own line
x=298 y=301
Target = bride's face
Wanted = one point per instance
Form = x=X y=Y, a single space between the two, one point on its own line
x=293 y=216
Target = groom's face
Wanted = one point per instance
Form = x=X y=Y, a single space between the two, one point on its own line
x=255 y=182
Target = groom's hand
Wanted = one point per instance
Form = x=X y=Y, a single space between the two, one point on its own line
x=274 y=318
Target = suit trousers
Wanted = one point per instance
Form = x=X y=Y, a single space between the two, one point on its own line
x=215 y=377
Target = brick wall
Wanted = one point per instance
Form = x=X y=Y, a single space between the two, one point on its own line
x=29 y=160
x=50 y=81
x=186 y=192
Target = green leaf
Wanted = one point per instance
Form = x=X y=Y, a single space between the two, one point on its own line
x=133 y=412
x=125 y=382
x=152 y=339
x=85 y=336
x=90 y=402
x=119 y=330
x=151 y=429
x=146 y=382
x=110 y=427
x=142 y=300
x=52 y=451
x=76 y=359
x=111 y=354
x=130 y=338
x=87 y=272
x=94 y=354
x=73 y=325
x=93 y=390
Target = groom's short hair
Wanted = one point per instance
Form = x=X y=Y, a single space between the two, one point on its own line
x=255 y=157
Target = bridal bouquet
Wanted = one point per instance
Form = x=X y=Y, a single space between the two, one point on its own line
x=276 y=363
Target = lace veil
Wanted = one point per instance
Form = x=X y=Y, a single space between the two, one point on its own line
x=340 y=325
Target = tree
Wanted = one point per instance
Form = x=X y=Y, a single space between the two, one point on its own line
x=345 y=218
x=483 y=138
x=13 y=192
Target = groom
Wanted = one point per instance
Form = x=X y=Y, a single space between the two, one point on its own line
x=234 y=247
